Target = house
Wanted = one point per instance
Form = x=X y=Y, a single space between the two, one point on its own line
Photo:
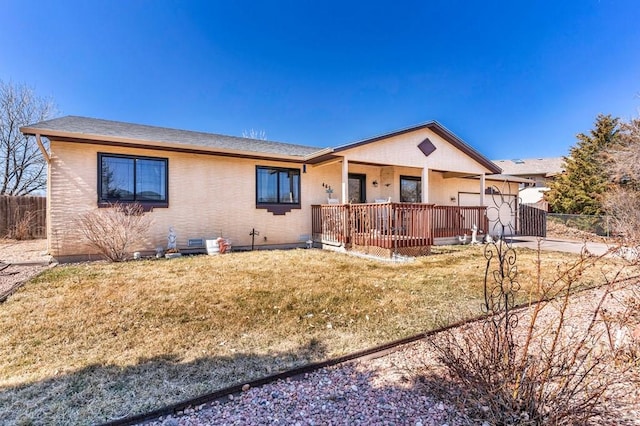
x=208 y=185
x=540 y=171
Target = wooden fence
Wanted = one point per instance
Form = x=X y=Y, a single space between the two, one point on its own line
x=533 y=221
x=23 y=217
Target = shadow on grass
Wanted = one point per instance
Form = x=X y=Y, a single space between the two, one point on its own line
x=100 y=393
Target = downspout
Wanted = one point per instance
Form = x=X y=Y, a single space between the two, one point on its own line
x=47 y=158
x=45 y=154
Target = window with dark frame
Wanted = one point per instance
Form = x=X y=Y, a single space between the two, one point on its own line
x=357 y=188
x=132 y=179
x=410 y=189
x=276 y=185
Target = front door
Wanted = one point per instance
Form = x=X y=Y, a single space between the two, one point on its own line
x=357 y=188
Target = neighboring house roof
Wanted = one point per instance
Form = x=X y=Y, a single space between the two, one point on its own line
x=546 y=167
x=91 y=129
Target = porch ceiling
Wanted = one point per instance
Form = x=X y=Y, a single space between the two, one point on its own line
x=451 y=175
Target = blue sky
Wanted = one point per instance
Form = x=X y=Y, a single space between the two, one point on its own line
x=515 y=79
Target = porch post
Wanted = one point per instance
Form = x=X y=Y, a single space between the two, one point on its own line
x=425 y=185
x=345 y=180
x=482 y=185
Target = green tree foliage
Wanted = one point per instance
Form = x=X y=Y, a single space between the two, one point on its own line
x=581 y=188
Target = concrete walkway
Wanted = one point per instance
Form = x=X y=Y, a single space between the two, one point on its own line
x=567 y=246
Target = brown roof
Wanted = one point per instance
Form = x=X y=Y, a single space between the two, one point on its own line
x=92 y=128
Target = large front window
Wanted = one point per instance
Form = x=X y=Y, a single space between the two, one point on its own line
x=410 y=189
x=132 y=179
x=277 y=185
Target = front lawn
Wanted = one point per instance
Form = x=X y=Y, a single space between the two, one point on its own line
x=92 y=342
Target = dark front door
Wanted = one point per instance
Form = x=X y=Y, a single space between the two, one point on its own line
x=357 y=188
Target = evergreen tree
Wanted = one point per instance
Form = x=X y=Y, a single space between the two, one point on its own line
x=580 y=189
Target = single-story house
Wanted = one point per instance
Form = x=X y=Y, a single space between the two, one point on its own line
x=208 y=185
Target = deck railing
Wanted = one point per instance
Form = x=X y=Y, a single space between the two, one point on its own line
x=393 y=225
x=451 y=221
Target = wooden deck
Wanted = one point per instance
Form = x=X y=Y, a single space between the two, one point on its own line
x=392 y=227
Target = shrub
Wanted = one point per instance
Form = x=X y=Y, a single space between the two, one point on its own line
x=23 y=226
x=113 y=230
x=549 y=371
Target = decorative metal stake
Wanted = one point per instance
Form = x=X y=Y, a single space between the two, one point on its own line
x=500 y=279
x=253 y=234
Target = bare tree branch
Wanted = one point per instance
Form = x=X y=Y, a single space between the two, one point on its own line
x=22 y=166
x=622 y=201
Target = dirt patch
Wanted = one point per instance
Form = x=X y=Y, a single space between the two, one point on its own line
x=561 y=231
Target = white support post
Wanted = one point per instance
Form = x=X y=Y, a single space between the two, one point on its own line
x=345 y=180
x=482 y=185
x=425 y=185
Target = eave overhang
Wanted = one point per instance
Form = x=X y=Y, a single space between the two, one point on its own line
x=118 y=141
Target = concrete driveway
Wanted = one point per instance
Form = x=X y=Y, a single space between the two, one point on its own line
x=567 y=246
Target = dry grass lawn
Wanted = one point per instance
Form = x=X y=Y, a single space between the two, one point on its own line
x=92 y=342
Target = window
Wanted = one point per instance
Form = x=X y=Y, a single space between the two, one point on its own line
x=410 y=189
x=124 y=178
x=277 y=186
x=357 y=188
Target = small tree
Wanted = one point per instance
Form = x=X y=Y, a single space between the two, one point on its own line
x=22 y=167
x=580 y=189
x=113 y=230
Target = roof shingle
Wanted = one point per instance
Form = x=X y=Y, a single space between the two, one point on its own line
x=91 y=127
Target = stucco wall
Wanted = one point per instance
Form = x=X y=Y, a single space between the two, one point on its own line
x=209 y=196
x=402 y=150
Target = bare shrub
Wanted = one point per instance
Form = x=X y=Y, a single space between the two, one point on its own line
x=623 y=206
x=113 y=230
x=23 y=225
x=549 y=370
x=622 y=200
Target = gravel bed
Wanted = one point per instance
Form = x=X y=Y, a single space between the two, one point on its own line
x=14 y=276
x=25 y=251
x=351 y=394
x=25 y=259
